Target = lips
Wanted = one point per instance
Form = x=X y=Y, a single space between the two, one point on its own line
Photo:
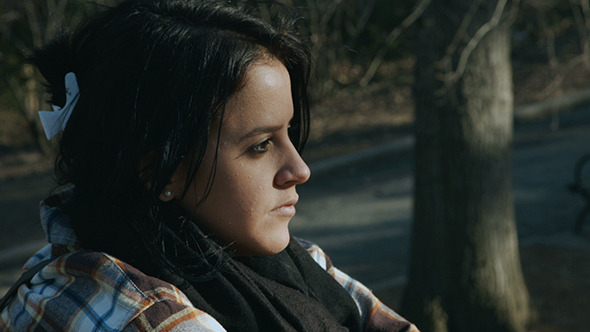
x=287 y=209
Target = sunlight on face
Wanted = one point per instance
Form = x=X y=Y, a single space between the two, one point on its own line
x=253 y=195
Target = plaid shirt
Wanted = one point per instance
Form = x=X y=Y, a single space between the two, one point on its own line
x=92 y=291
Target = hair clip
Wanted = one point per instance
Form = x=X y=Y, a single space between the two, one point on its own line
x=54 y=122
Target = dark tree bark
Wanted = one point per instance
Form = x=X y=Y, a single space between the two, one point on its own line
x=465 y=272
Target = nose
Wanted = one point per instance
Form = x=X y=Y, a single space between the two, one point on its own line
x=293 y=171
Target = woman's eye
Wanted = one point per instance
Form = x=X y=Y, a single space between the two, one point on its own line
x=261 y=147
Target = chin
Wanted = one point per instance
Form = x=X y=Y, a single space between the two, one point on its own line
x=282 y=246
x=273 y=245
x=283 y=241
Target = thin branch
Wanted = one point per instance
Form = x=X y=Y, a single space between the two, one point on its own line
x=585 y=4
x=34 y=23
x=549 y=38
x=313 y=18
x=577 y=12
x=16 y=90
x=462 y=30
x=474 y=41
x=393 y=35
x=361 y=24
x=328 y=14
x=586 y=10
x=561 y=75
x=55 y=16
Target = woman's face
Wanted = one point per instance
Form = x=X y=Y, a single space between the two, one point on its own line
x=253 y=195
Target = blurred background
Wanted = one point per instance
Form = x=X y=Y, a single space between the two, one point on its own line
x=364 y=61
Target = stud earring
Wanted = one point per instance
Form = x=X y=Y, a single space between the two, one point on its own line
x=168 y=194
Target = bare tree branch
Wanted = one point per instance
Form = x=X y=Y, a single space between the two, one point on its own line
x=34 y=23
x=393 y=35
x=462 y=31
x=585 y=30
x=329 y=13
x=474 y=41
x=362 y=21
x=579 y=19
x=560 y=76
x=17 y=91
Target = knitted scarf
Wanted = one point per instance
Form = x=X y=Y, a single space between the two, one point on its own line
x=288 y=291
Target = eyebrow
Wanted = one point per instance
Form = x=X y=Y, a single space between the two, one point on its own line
x=260 y=130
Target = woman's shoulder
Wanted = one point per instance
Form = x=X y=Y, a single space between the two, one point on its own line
x=316 y=253
x=87 y=289
x=375 y=315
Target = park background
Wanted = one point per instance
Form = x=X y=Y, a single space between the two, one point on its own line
x=364 y=55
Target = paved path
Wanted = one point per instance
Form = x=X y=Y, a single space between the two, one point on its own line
x=360 y=210
x=361 y=213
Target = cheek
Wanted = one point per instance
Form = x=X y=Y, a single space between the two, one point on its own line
x=251 y=196
x=247 y=194
x=242 y=192
x=237 y=192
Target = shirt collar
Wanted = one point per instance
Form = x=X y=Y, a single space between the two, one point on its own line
x=56 y=224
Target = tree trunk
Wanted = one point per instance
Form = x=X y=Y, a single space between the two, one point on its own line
x=465 y=272
x=32 y=104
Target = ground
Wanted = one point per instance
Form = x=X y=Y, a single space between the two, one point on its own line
x=558 y=285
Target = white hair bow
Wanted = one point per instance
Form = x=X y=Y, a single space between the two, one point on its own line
x=54 y=122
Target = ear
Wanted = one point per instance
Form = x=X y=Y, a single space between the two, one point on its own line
x=175 y=186
x=167 y=195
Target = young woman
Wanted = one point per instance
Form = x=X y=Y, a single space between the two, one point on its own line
x=179 y=158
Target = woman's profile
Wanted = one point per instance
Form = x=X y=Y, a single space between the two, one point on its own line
x=180 y=127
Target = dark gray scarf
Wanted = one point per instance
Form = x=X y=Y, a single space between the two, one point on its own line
x=288 y=291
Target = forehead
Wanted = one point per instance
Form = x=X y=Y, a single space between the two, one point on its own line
x=265 y=95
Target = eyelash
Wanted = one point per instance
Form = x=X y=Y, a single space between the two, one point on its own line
x=261 y=147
